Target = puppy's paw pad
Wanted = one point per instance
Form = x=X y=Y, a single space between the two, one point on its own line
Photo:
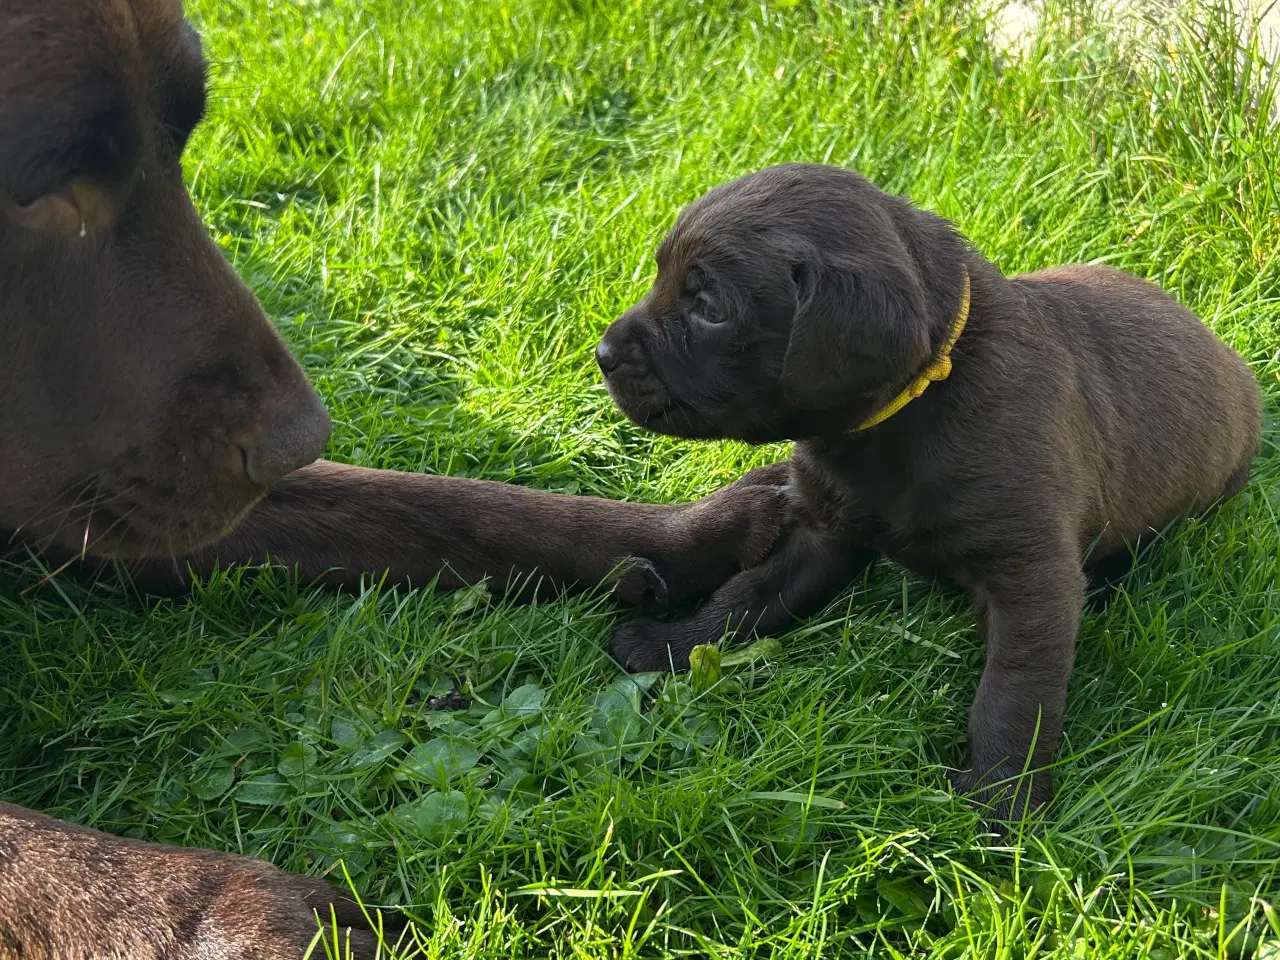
x=639 y=584
x=641 y=646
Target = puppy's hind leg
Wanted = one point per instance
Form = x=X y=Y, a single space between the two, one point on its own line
x=1105 y=575
x=806 y=571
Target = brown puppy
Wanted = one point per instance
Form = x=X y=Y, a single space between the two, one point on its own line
x=1085 y=408
x=147 y=405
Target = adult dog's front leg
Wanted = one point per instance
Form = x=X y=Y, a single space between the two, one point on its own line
x=1031 y=616
x=806 y=571
x=337 y=524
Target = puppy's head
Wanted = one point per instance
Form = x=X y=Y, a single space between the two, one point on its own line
x=146 y=402
x=790 y=303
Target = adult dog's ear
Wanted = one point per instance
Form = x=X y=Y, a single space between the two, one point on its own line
x=860 y=325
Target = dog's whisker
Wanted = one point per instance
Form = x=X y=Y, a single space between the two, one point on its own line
x=48 y=576
x=59 y=502
x=121 y=518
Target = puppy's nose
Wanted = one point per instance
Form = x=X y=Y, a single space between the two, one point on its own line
x=608 y=356
x=292 y=440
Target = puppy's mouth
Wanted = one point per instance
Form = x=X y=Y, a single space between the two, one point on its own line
x=650 y=404
x=641 y=399
x=673 y=420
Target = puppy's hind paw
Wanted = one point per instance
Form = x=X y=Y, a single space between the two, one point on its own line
x=638 y=583
x=1005 y=804
x=644 y=646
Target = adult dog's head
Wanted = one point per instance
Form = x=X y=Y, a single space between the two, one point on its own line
x=789 y=303
x=146 y=402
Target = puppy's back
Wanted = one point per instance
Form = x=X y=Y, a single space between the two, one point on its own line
x=1177 y=413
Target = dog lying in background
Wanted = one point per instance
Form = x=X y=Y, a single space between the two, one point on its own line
x=1071 y=411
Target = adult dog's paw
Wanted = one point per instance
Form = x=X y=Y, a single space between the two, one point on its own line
x=644 y=646
x=638 y=583
x=144 y=901
x=726 y=532
x=772 y=475
x=753 y=512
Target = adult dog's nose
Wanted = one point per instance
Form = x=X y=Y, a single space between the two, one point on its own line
x=608 y=356
x=292 y=440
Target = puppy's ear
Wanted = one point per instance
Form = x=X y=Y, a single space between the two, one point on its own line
x=860 y=325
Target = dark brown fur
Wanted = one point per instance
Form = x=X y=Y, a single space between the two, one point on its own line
x=1085 y=409
x=146 y=408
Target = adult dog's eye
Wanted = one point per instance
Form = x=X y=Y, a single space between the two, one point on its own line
x=55 y=212
x=81 y=205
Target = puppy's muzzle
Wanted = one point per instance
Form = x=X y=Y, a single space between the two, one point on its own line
x=628 y=374
x=619 y=352
x=608 y=357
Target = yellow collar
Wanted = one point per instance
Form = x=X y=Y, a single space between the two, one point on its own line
x=939 y=369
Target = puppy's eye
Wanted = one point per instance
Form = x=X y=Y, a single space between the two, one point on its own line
x=705 y=308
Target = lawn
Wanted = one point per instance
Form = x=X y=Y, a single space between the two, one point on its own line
x=442 y=206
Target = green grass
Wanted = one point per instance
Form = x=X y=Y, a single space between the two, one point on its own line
x=442 y=206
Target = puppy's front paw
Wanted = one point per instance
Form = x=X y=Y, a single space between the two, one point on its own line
x=644 y=646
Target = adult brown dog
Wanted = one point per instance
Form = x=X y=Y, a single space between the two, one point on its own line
x=147 y=405
x=1084 y=408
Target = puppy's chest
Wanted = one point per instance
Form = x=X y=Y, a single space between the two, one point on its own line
x=875 y=501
